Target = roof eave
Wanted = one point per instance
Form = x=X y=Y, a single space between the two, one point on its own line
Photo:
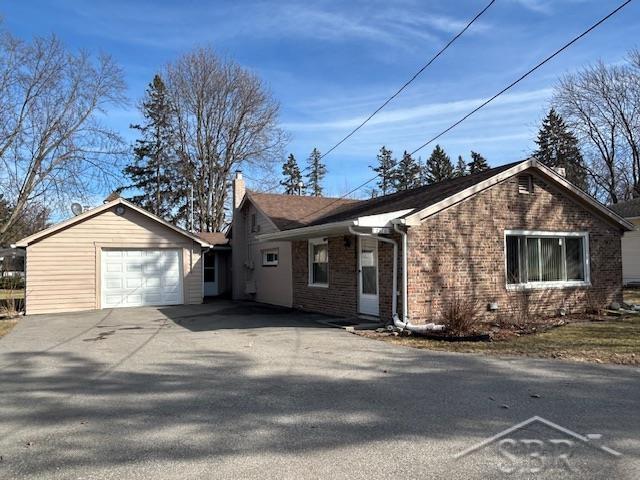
x=418 y=217
x=25 y=242
x=308 y=232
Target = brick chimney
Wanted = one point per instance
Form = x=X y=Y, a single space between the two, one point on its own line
x=239 y=189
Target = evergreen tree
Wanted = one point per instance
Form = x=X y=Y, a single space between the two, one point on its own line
x=292 y=182
x=386 y=170
x=461 y=168
x=558 y=147
x=438 y=166
x=407 y=173
x=151 y=171
x=478 y=163
x=317 y=171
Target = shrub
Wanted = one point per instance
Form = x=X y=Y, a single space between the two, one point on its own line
x=460 y=315
x=11 y=283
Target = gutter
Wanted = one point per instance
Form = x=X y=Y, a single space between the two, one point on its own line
x=303 y=232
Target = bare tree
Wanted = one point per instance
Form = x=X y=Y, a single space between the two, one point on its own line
x=52 y=146
x=602 y=105
x=224 y=117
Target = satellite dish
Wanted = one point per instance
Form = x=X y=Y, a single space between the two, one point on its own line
x=76 y=208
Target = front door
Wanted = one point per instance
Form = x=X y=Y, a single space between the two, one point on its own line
x=210 y=274
x=368 y=276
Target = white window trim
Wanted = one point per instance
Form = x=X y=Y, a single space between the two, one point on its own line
x=265 y=262
x=310 y=244
x=557 y=284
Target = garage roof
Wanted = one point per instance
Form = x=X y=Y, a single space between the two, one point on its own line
x=106 y=206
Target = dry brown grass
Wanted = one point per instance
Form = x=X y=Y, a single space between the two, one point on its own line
x=614 y=340
x=6 y=325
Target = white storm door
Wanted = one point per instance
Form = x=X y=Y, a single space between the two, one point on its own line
x=368 y=276
x=140 y=277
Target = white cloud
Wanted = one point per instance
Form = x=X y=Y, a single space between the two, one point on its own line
x=421 y=113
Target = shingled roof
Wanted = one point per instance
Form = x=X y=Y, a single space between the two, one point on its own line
x=629 y=209
x=416 y=198
x=294 y=211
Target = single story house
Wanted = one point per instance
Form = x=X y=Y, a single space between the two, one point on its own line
x=512 y=237
x=262 y=270
x=630 y=241
x=118 y=255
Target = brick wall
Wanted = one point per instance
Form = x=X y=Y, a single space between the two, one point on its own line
x=341 y=296
x=460 y=251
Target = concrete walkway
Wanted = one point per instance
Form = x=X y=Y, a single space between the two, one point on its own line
x=240 y=391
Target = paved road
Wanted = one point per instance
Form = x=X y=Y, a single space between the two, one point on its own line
x=239 y=391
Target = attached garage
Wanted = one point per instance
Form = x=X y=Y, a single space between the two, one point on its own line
x=116 y=255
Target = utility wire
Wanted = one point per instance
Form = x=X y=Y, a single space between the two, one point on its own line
x=408 y=82
x=403 y=87
x=522 y=77
x=512 y=84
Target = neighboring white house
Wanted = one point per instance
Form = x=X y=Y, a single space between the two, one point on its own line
x=630 y=241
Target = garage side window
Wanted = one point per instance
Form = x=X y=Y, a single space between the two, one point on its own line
x=318 y=262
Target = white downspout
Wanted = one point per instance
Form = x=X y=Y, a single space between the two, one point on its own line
x=405 y=323
x=394 y=299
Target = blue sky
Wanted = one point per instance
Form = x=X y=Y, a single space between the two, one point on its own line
x=330 y=63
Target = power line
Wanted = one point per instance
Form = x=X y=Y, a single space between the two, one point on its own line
x=403 y=87
x=512 y=84
x=522 y=77
x=408 y=82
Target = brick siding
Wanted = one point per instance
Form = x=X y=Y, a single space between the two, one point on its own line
x=460 y=252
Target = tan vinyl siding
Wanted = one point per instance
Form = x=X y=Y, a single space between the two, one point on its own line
x=63 y=269
x=631 y=254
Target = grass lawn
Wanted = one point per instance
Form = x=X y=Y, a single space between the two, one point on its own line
x=5 y=294
x=632 y=295
x=611 y=341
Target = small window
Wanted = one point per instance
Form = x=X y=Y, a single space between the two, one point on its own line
x=270 y=257
x=253 y=222
x=525 y=184
x=318 y=262
x=546 y=259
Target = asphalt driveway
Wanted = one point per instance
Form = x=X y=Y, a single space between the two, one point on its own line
x=239 y=391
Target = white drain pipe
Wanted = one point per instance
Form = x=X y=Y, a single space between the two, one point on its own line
x=402 y=325
x=405 y=323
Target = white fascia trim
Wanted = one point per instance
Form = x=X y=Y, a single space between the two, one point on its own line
x=418 y=217
x=306 y=232
x=381 y=219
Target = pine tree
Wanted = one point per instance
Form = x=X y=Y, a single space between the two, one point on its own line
x=386 y=170
x=317 y=171
x=478 y=163
x=152 y=169
x=438 y=166
x=461 y=168
x=558 y=147
x=407 y=173
x=292 y=182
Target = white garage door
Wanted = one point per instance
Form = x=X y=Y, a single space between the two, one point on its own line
x=132 y=278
